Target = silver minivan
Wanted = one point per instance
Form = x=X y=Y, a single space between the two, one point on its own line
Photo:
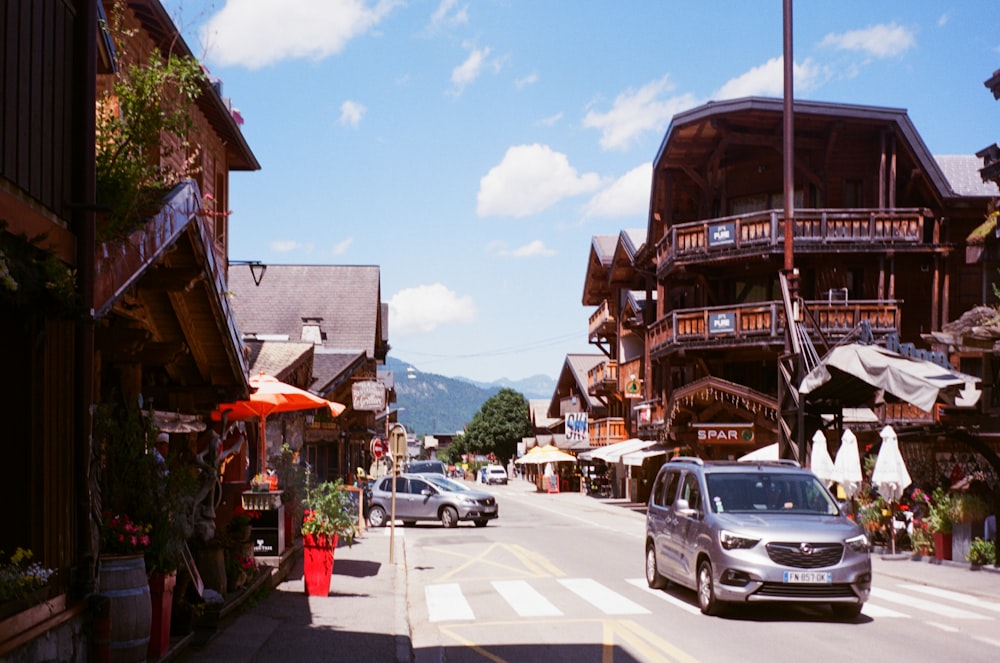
x=739 y=532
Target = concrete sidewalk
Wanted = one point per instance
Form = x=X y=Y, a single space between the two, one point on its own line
x=364 y=618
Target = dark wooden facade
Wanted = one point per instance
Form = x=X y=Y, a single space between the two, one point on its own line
x=879 y=237
x=155 y=320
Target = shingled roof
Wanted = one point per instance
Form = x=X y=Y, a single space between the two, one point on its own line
x=337 y=308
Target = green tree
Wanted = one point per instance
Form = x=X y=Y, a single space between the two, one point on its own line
x=501 y=423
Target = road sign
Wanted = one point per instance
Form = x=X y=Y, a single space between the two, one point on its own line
x=378 y=448
x=397 y=441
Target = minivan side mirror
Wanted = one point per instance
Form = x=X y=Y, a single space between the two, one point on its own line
x=682 y=508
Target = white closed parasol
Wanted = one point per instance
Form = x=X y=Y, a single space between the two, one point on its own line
x=819 y=460
x=847 y=466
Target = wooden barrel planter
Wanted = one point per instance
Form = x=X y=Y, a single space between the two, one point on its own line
x=123 y=581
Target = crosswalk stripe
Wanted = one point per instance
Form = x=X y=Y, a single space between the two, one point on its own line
x=445 y=602
x=880 y=611
x=663 y=596
x=954 y=596
x=525 y=599
x=921 y=604
x=602 y=598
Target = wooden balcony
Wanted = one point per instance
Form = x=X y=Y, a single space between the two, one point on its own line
x=750 y=324
x=602 y=323
x=606 y=431
x=603 y=379
x=764 y=231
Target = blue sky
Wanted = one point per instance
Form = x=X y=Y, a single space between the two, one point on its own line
x=472 y=148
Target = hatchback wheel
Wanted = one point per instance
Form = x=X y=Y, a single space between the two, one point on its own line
x=449 y=517
x=653 y=577
x=376 y=517
x=707 y=601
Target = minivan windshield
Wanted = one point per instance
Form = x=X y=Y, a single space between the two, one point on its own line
x=758 y=492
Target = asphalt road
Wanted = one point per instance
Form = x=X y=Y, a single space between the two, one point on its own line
x=559 y=578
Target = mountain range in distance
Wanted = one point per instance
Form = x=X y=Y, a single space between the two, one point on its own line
x=428 y=403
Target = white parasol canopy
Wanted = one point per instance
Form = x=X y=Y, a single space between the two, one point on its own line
x=890 y=476
x=819 y=460
x=847 y=466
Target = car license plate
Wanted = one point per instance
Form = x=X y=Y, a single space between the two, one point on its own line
x=810 y=577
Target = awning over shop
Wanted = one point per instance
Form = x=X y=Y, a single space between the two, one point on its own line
x=636 y=458
x=613 y=452
x=853 y=374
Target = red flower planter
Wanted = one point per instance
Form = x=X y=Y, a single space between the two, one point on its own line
x=317 y=563
x=161 y=593
x=942 y=546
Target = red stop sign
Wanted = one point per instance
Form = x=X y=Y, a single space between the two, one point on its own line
x=378 y=448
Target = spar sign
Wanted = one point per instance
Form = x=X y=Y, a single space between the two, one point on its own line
x=737 y=433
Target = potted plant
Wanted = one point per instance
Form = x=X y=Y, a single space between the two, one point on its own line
x=981 y=552
x=921 y=538
x=291 y=480
x=23 y=582
x=939 y=522
x=968 y=511
x=328 y=516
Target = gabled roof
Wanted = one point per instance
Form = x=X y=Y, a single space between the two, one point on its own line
x=340 y=304
x=158 y=24
x=962 y=173
x=343 y=300
x=573 y=381
x=276 y=358
x=611 y=260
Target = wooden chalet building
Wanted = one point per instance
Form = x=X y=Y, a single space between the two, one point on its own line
x=617 y=327
x=333 y=316
x=879 y=236
x=150 y=319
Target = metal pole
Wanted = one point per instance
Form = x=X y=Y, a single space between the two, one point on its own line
x=789 y=148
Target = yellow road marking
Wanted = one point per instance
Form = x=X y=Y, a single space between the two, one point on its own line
x=531 y=565
x=645 y=645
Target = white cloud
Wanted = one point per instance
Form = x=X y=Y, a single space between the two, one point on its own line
x=423 y=309
x=449 y=14
x=768 y=79
x=626 y=196
x=470 y=69
x=247 y=32
x=529 y=179
x=549 y=121
x=340 y=248
x=636 y=113
x=525 y=81
x=289 y=245
x=881 y=41
x=533 y=249
x=351 y=113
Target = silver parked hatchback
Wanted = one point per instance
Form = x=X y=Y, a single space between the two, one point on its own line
x=738 y=532
x=430 y=497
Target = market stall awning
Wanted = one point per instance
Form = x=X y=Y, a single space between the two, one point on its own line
x=854 y=374
x=636 y=458
x=613 y=452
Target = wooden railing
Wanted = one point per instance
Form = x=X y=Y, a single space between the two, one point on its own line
x=606 y=431
x=602 y=322
x=813 y=228
x=603 y=378
x=750 y=323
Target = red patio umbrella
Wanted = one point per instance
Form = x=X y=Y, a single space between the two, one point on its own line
x=271 y=395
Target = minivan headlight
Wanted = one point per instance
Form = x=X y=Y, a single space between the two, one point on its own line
x=731 y=541
x=859 y=543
